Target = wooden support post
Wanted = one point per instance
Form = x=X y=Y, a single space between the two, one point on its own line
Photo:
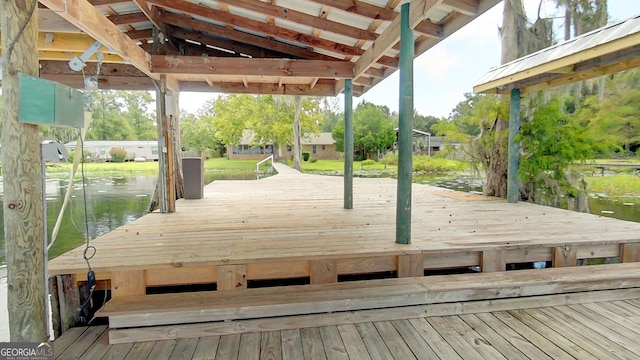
x=232 y=277
x=165 y=150
x=128 y=283
x=323 y=271
x=173 y=113
x=348 y=144
x=630 y=252
x=493 y=261
x=565 y=256
x=405 y=131
x=23 y=195
x=513 y=188
x=410 y=265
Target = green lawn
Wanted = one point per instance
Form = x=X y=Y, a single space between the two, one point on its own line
x=224 y=164
x=616 y=185
x=107 y=167
x=338 y=165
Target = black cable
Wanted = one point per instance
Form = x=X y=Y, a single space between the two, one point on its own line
x=34 y=6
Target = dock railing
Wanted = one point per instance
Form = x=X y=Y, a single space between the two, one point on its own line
x=270 y=157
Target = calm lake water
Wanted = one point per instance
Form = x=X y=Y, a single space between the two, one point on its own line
x=117 y=200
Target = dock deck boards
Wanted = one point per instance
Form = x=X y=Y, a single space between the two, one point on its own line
x=598 y=330
x=292 y=224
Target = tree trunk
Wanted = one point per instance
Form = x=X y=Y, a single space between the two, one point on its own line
x=297 y=132
x=23 y=180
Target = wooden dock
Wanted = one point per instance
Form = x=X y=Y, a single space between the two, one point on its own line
x=290 y=230
x=293 y=225
x=596 y=330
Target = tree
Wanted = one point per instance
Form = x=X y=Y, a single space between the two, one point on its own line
x=137 y=105
x=109 y=121
x=331 y=113
x=424 y=123
x=372 y=130
x=550 y=143
x=197 y=133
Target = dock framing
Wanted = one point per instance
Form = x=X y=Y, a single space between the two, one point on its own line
x=591 y=330
x=293 y=225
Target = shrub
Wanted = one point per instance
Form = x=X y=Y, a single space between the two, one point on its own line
x=390 y=158
x=118 y=155
x=368 y=162
x=313 y=160
x=438 y=165
x=85 y=158
x=306 y=156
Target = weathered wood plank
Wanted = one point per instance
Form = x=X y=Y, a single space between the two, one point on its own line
x=232 y=277
x=291 y=344
x=333 y=345
x=493 y=260
x=531 y=335
x=630 y=252
x=323 y=271
x=250 y=346
x=396 y=345
x=410 y=265
x=499 y=343
x=161 y=349
x=565 y=256
x=518 y=341
x=312 y=343
x=589 y=340
x=206 y=348
x=184 y=350
x=140 y=351
x=353 y=343
x=373 y=341
x=127 y=283
x=271 y=346
x=228 y=347
x=82 y=343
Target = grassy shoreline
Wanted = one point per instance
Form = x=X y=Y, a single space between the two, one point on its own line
x=620 y=183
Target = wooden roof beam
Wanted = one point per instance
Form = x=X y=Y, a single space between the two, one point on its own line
x=419 y=10
x=107 y=2
x=320 y=89
x=320 y=23
x=242 y=37
x=152 y=15
x=127 y=19
x=250 y=67
x=87 y=18
x=229 y=45
x=465 y=7
x=67 y=56
x=140 y=35
x=259 y=27
x=427 y=28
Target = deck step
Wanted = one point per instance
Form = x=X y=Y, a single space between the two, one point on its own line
x=197 y=307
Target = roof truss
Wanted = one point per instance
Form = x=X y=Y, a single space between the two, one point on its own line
x=245 y=45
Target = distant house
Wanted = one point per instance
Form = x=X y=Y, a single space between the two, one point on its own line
x=139 y=150
x=425 y=144
x=320 y=146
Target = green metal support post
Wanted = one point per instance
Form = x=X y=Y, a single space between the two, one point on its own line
x=405 y=131
x=514 y=148
x=348 y=144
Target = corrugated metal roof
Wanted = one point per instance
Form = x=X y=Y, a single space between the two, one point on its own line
x=562 y=57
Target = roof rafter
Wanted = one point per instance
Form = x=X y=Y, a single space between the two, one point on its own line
x=263 y=28
x=229 y=45
x=255 y=40
x=319 y=89
x=250 y=67
x=87 y=18
x=419 y=10
x=126 y=19
x=320 y=23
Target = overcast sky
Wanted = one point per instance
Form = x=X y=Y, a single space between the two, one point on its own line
x=448 y=70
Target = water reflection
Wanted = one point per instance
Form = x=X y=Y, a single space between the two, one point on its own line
x=111 y=201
